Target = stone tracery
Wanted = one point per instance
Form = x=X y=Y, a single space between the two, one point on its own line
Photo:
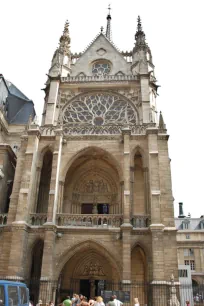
x=100 y=109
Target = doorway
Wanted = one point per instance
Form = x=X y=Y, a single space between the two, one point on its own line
x=85 y=287
x=87 y=208
x=91 y=288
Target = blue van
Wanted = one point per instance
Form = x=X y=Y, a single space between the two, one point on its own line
x=13 y=294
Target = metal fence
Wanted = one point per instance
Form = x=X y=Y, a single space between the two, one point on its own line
x=148 y=294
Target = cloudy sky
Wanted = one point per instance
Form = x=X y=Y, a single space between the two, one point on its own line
x=30 y=32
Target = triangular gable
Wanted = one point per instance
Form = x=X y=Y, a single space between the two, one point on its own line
x=100 y=48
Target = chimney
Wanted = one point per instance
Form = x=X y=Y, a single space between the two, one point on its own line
x=181 y=214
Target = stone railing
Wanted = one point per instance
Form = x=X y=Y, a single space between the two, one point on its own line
x=38 y=219
x=140 y=221
x=3 y=218
x=92 y=220
x=103 y=78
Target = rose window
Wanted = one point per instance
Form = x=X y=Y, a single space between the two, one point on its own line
x=99 y=110
x=101 y=68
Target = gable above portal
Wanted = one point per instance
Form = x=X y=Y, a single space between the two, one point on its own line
x=101 y=50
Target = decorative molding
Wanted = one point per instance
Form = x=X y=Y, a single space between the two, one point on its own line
x=24 y=190
x=156 y=192
x=126 y=192
x=52 y=191
x=154 y=152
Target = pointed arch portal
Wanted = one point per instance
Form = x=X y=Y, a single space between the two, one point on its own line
x=88 y=267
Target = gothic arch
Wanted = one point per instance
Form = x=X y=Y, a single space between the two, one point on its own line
x=44 y=150
x=83 y=245
x=138 y=149
x=86 y=150
x=104 y=174
x=138 y=263
x=30 y=250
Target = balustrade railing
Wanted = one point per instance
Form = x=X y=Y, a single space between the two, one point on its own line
x=85 y=220
x=140 y=221
x=3 y=218
x=38 y=219
x=89 y=220
x=94 y=78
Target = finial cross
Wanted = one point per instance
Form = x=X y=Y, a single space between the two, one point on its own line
x=102 y=29
x=109 y=8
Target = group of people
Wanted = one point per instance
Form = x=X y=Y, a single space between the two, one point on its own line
x=81 y=300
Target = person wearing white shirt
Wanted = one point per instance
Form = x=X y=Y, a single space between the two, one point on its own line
x=117 y=302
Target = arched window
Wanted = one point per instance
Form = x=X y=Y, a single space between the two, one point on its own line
x=44 y=187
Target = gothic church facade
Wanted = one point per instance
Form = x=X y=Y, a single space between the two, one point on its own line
x=92 y=196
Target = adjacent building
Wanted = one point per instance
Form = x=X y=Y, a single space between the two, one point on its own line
x=190 y=244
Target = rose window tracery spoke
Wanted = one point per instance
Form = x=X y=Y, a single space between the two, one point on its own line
x=99 y=110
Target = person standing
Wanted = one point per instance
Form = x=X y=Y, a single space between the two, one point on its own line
x=75 y=300
x=67 y=301
x=111 y=302
x=99 y=301
x=117 y=302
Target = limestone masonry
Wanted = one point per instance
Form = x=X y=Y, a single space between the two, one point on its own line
x=87 y=194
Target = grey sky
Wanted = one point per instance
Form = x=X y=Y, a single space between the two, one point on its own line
x=30 y=32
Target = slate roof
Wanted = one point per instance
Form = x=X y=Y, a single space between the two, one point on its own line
x=193 y=223
x=18 y=108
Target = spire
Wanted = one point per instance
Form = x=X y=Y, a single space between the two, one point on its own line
x=140 y=36
x=108 y=28
x=162 y=125
x=64 y=44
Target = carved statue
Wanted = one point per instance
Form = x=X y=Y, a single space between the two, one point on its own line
x=100 y=270
x=173 y=301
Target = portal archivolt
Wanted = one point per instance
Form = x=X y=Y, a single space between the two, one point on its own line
x=92 y=186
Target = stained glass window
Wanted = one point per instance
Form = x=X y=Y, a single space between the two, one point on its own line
x=101 y=68
x=100 y=109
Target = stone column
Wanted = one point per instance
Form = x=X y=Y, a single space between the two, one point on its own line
x=54 y=183
x=126 y=172
x=47 y=270
x=28 y=177
x=52 y=102
x=132 y=200
x=157 y=251
x=121 y=197
x=17 y=180
x=61 y=195
x=18 y=251
x=37 y=186
x=126 y=227
x=146 y=191
x=126 y=236
x=154 y=175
